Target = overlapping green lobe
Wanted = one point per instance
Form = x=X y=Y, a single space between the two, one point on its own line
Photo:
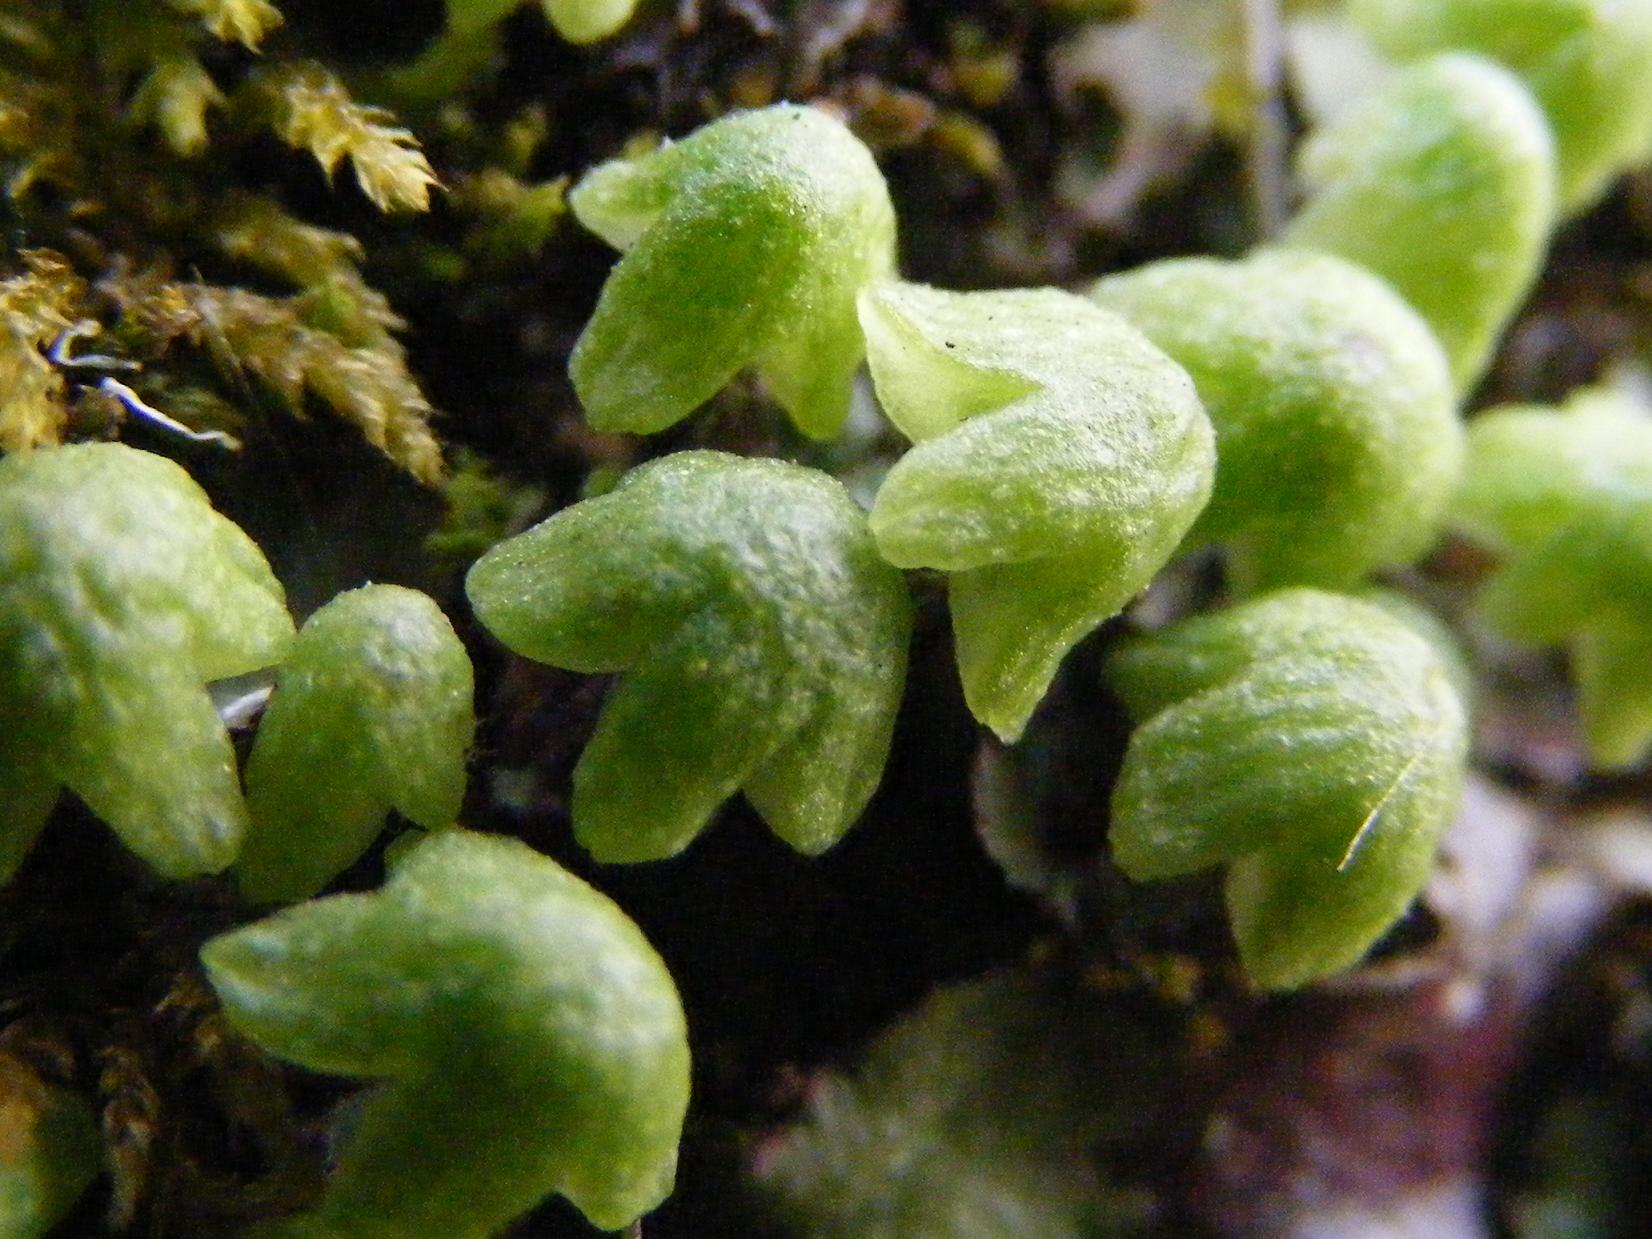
x=1442 y=183
x=1313 y=743
x=746 y=243
x=528 y=1038
x=762 y=640
x=373 y=711
x=1589 y=62
x=586 y=21
x=122 y=593
x=1059 y=459
x=1338 y=444
x=1565 y=497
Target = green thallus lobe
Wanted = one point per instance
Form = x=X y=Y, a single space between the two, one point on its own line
x=526 y=1037
x=1442 y=183
x=746 y=245
x=122 y=593
x=1337 y=438
x=1565 y=497
x=1059 y=460
x=372 y=712
x=1588 y=62
x=1311 y=742
x=761 y=641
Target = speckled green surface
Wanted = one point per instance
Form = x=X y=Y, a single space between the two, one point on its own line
x=1589 y=62
x=1443 y=183
x=746 y=245
x=1059 y=460
x=762 y=641
x=528 y=1038
x=1311 y=742
x=1337 y=437
x=122 y=593
x=372 y=711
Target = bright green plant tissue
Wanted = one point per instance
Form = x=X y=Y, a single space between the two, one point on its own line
x=746 y=244
x=1059 y=460
x=762 y=641
x=122 y=593
x=527 y=1038
x=1311 y=742
x=1337 y=439
x=1589 y=62
x=1442 y=183
x=1565 y=497
x=373 y=711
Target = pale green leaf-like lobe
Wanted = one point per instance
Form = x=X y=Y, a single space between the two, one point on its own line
x=747 y=243
x=1059 y=460
x=1315 y=744
x=1589 y=62
x=122 y=593
x=1443 y=184
x=762 y=640
x=587 y=21
x=527 y=1037
x=373 y=711
x=1337 y=438
x=1564 y=496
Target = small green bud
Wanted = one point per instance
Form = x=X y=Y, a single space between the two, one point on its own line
x=372 y=712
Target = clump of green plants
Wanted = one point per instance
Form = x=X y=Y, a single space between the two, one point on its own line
x=1259 y=444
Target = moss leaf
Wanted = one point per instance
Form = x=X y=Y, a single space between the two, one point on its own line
x=1060 y=460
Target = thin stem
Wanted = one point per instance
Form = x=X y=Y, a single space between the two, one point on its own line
x=1264 y=77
